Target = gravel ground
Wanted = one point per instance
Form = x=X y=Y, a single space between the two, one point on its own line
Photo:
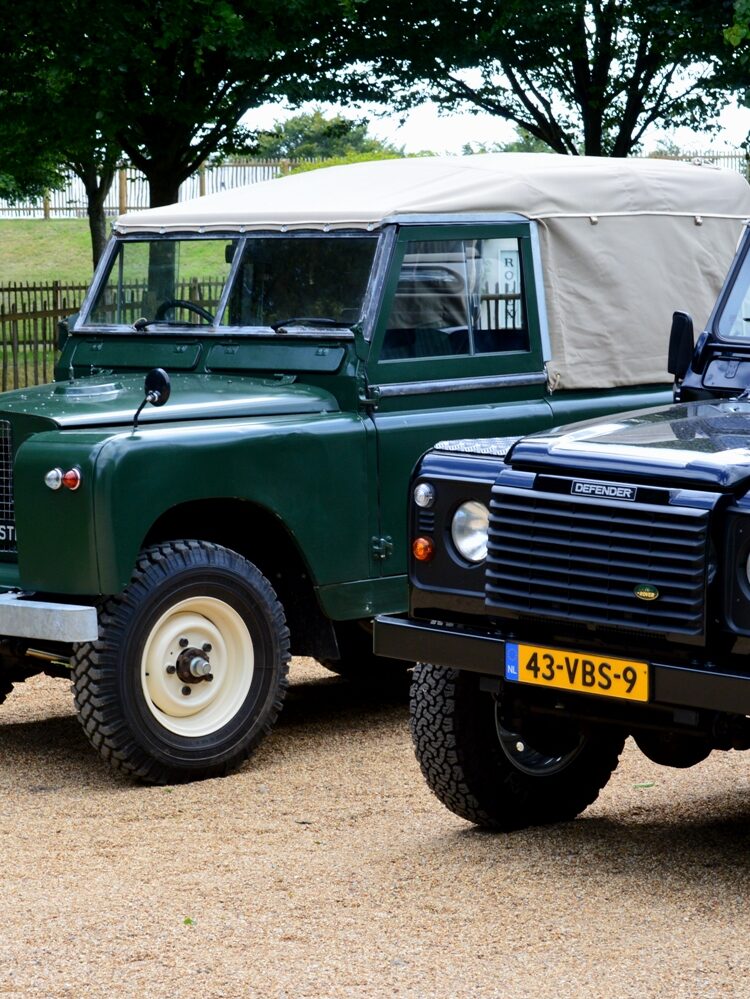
x=326 y=868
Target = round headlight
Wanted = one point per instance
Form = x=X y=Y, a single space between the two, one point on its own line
x=469 y=530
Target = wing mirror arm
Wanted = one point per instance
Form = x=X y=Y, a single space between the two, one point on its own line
x=157 y=388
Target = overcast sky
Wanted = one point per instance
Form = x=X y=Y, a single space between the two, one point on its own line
x=424 y=128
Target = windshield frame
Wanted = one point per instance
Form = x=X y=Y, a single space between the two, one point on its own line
x=384 y=241
x=739 y=267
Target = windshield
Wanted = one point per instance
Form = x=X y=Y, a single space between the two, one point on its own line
x=734 y=319
x=276 y=280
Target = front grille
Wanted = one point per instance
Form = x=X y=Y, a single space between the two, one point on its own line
x=580 y=559
x=7 y=510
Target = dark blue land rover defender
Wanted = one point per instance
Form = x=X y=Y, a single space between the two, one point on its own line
x=578 y=586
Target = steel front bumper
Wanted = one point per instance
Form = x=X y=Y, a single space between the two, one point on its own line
x=711 y=687
x=39 y=619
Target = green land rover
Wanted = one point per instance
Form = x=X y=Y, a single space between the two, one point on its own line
x=215 y=479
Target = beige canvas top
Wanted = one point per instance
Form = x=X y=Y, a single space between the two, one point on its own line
x=623 y=242
x=535 y=185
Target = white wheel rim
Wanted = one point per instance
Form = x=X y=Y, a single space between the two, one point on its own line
x=198 y=623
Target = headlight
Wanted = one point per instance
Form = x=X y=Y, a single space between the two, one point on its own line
x=469 y=530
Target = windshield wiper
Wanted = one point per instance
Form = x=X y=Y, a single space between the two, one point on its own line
x=310 y=321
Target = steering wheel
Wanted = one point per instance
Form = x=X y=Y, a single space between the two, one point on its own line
x=180 y=303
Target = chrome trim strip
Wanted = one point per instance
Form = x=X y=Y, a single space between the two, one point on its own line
x=460 y=384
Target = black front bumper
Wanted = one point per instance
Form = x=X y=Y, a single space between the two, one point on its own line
x=707 y=686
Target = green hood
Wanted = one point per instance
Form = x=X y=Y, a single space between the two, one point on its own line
x=111 y=400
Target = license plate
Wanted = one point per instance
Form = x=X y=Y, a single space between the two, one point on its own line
x=580 y=671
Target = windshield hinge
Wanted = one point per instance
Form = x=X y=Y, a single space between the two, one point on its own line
x=382 y=547
x=369 y=395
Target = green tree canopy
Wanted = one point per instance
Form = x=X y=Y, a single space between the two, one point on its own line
x=310 y=135
x=164 y=82
x=524 y=142
x=580 y=75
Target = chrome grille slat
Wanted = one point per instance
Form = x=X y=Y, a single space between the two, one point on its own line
x=580 y=559
x=7 y=509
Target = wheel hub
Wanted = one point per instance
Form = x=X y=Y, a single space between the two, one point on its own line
x=197 y=666
x=194 y=666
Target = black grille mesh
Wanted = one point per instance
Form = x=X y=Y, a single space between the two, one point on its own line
x=7 y=511
x=580 y=559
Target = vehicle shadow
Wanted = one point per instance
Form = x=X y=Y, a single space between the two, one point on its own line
x=339 y=702
x=657 y=853
x=53 y=752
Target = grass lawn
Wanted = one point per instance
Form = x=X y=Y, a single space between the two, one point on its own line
x=45 y=250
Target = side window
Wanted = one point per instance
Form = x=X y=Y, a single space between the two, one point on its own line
x=457 y=297
x=499 y=317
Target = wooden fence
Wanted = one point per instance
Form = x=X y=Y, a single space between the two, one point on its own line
x=29 y=314
x=130 y=189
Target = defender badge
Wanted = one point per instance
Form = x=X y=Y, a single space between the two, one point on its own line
x=644 y=591
x=603 y=490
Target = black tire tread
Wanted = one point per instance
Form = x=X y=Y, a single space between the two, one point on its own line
x=474 y=779
x=95 y=678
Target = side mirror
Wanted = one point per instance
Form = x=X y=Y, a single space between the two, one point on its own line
x=157 y=388
x=680 y=345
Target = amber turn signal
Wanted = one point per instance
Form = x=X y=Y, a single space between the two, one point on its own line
x=423 y=549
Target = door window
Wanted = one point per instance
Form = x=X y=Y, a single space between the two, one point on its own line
x=457 y=297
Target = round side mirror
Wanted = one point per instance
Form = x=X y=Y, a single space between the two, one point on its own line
x=157 y=386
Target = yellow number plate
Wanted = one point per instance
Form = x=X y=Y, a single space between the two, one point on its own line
x=579 y=671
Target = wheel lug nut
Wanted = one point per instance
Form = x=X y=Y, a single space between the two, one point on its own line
x=186 y=690
x=209 y=677
x=171 y=668
x=207 y=647
x=183 y=643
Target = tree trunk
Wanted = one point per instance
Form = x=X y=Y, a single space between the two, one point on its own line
x=97 y=180
x=163 y=187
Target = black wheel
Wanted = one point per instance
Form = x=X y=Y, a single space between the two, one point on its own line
x=359 y=663
x=190 y=669
x=493 y=776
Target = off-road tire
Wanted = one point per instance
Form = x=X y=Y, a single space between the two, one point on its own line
x=138 y=728
x=457 y=744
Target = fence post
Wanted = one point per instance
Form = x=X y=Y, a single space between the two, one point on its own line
x=202 y=180
x=122 y=190
x=46 y=205
x=285 y=166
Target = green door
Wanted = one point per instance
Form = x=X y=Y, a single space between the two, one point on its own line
x=456 y=352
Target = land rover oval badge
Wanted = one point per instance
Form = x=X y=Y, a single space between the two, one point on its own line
x=644 y=591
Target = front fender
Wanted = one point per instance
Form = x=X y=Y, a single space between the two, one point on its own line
x=56 y=537
x=309 y=471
